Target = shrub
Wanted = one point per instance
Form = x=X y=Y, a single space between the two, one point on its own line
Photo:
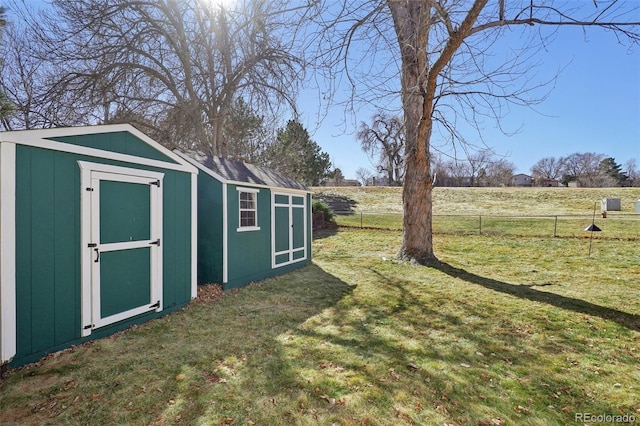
x=319 y=206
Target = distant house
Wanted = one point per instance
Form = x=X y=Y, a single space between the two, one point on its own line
x=378 y=181
x=521 y=180
x=547 y=182
x=341 y=182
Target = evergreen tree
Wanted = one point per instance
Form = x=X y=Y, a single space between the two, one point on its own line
x=297 y=156
x=610 y=169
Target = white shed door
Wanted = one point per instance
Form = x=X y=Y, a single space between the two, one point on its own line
x=289 y=236
x=122 y=245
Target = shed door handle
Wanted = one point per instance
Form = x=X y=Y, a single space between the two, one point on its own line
x=97 y=255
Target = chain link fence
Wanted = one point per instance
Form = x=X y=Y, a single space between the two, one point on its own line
x=615 y=226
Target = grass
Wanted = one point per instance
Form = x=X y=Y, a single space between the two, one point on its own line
x=505 y=330
x=542 y=212
x=487 y=201
x=616 y=227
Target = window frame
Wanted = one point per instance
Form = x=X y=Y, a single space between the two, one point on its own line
x=254 y=195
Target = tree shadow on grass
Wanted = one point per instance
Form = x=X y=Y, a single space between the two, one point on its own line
x=340 y=204
x=625 y=319
x=199 y=365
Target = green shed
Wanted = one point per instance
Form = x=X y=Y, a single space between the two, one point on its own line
x=97 y=233
x=253 y=222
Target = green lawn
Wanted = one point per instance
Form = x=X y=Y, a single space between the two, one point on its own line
x=534 y=212
x=484 y=201
x=504 y=331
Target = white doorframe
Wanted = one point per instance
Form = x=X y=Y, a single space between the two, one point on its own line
x=91 y=175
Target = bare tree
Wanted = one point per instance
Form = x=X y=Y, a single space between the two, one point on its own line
x=177 y=65
x=452 y=67
x=26 y=81
x=631 y=168
x=478 y=163
x=6 y=107
x=244 y=132
x=499 y=173
x=458 y=173
x=364 y=175
x=547 y=168
x=584 y=168
x=384 y=139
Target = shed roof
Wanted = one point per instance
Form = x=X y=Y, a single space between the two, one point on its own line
x=241 y=172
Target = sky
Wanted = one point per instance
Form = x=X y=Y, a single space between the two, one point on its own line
x=594 y=107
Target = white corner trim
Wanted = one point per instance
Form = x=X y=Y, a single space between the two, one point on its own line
x=225 y=235
x=8 y=345
x=194 y=236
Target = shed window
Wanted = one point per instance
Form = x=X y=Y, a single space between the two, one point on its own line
x=248 y=210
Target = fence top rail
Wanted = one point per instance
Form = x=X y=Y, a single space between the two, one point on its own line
x=628 y=216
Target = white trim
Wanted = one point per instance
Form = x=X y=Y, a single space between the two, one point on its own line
x=86 y=255
x=92 y=173
x=251 y=190
x=248 y=229
x=255 y=226
x=38 y=139
x=194 y=236
x=125 y=245
x=261 y=186
x=8 y=346
x=225 y=234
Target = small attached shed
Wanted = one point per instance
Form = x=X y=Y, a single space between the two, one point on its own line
x=97 y=233
x=253 y=222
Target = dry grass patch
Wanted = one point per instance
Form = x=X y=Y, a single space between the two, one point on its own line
x=490 y=201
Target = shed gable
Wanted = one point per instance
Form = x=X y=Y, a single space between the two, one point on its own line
x=122 y=142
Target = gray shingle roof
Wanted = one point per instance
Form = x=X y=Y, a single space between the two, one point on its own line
x=239 y=171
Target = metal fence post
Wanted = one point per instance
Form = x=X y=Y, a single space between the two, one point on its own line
x=480 y=225
x=361 y=220
x=555 y=227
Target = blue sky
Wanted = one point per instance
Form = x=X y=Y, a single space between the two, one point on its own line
x=594 y=107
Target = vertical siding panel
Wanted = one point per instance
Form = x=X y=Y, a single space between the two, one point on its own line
x=210 y=233
x=67 y=256
x=169 y=236
x=249 y=252
x=42 y=249
x=183 y=235
x=23 y=251
x=177 y=238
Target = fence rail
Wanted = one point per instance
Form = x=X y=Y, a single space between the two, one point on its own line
x=617 y=226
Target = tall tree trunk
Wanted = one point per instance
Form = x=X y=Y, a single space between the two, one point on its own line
x=412 y=21
x=411 y=24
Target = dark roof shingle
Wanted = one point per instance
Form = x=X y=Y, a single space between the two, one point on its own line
x=240 y=171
